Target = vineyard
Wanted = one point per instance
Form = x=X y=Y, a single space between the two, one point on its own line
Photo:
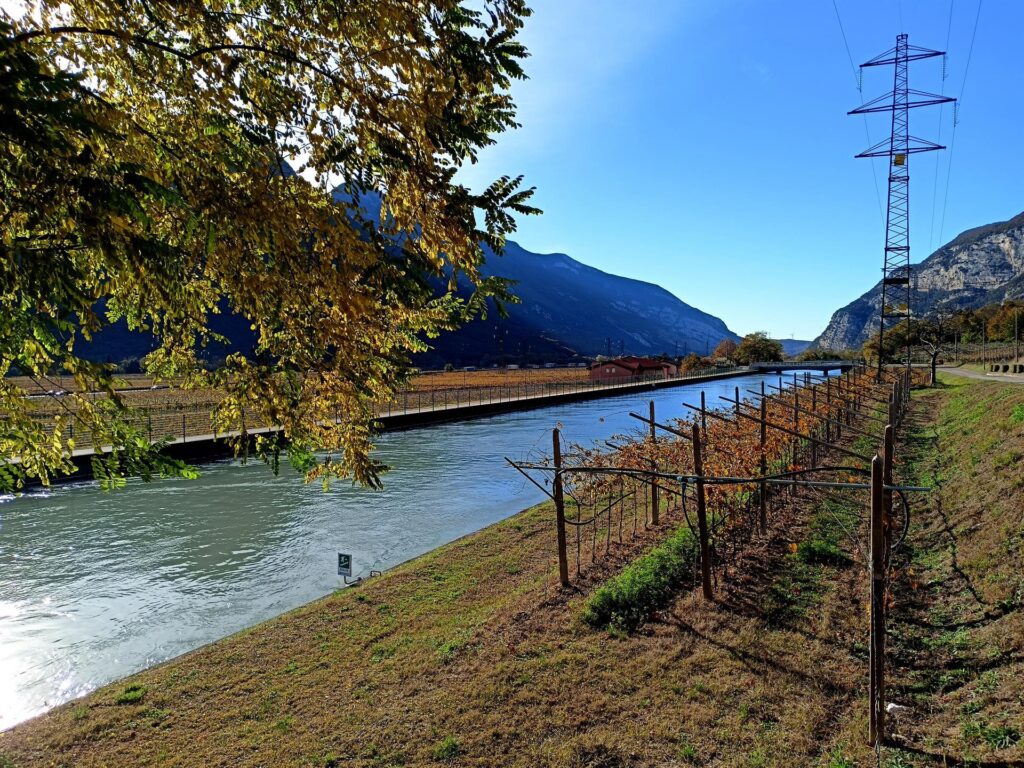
x=718 y=475
x=140 y=385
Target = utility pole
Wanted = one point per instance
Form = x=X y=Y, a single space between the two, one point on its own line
x=898 y=148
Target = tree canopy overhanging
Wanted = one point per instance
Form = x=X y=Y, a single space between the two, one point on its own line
x=757 y=347
x=147 y=152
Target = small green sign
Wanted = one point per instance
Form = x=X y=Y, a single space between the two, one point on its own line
x=344 y=564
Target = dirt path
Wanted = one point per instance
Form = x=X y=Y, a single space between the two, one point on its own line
x=968 y=373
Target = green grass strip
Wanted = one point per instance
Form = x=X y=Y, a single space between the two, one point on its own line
x=648 y=583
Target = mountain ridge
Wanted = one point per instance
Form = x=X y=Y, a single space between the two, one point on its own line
x=981 y=265
x=569 y=311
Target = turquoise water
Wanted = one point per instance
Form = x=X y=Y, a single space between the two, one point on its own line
x=95 y=585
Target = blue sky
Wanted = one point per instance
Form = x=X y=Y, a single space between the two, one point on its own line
x=705 y=145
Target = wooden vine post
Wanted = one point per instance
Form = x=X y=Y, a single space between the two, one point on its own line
x=655 y=498
x=876 y=657
x=563 y=560
x=702 y=516
x=763 y=490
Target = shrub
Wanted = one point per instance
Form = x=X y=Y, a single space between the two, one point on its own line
x=645 y=585
x=818 y=552
x=1017 y=415
x=447 y=749
x=131 y=694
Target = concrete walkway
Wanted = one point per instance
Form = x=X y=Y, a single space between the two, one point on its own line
x=1006 y=378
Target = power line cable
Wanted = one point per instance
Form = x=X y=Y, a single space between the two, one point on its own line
x=859 y=86
x=956 y=111
x=938 y=139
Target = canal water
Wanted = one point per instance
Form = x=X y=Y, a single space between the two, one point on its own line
x=96 y=585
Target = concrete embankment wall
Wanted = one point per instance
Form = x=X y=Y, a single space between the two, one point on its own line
x=208 y=448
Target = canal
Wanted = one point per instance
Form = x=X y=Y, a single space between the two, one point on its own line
x=96 y=585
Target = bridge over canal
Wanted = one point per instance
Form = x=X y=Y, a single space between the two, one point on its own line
x=807 y=365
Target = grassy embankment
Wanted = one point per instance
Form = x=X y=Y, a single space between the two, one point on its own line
x=957 y=641
x=471 y=656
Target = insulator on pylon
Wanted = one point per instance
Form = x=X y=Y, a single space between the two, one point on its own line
x=860 y=80
x=944 y=59
x=956 y=113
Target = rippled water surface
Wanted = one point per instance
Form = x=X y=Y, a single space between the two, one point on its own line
x=95 y=586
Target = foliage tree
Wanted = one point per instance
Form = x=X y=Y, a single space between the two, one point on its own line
x=894 y=346
x=161 y=162
x=726 y=349
x=1005 y=322
x=690 y=363
x=824 y=353
x=931 y=334
x=757 y=347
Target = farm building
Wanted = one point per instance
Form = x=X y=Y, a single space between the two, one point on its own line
x=631 y=368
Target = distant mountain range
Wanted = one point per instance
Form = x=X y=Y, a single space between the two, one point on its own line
x=981 y=266
x=792 y=347
x=568 y=311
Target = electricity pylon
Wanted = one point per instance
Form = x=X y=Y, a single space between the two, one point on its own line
x=898 y=148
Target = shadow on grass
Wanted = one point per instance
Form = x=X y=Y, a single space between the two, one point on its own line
x=943 y=759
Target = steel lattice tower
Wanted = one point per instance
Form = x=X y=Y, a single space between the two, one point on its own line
x=896 y=283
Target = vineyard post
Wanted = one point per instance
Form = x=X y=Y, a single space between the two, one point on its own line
x=816 y=428
x=563 y=561
x=847 y=399
x=702 y=516
x=763 y=491
x=888 y=450
x=655 y=501
x=703 y=416
x=876 y=687
x=796 y=428
x=737 y=407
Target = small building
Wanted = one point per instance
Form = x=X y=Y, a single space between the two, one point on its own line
x=631 y=369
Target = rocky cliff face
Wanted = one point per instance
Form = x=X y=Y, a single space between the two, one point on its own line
x=981 y=266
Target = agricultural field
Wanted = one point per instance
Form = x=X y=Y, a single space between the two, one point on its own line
x=496 y=377
x=172 y=410
x=140 y=389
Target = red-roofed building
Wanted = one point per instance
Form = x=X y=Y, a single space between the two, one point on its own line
x=631 y=368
